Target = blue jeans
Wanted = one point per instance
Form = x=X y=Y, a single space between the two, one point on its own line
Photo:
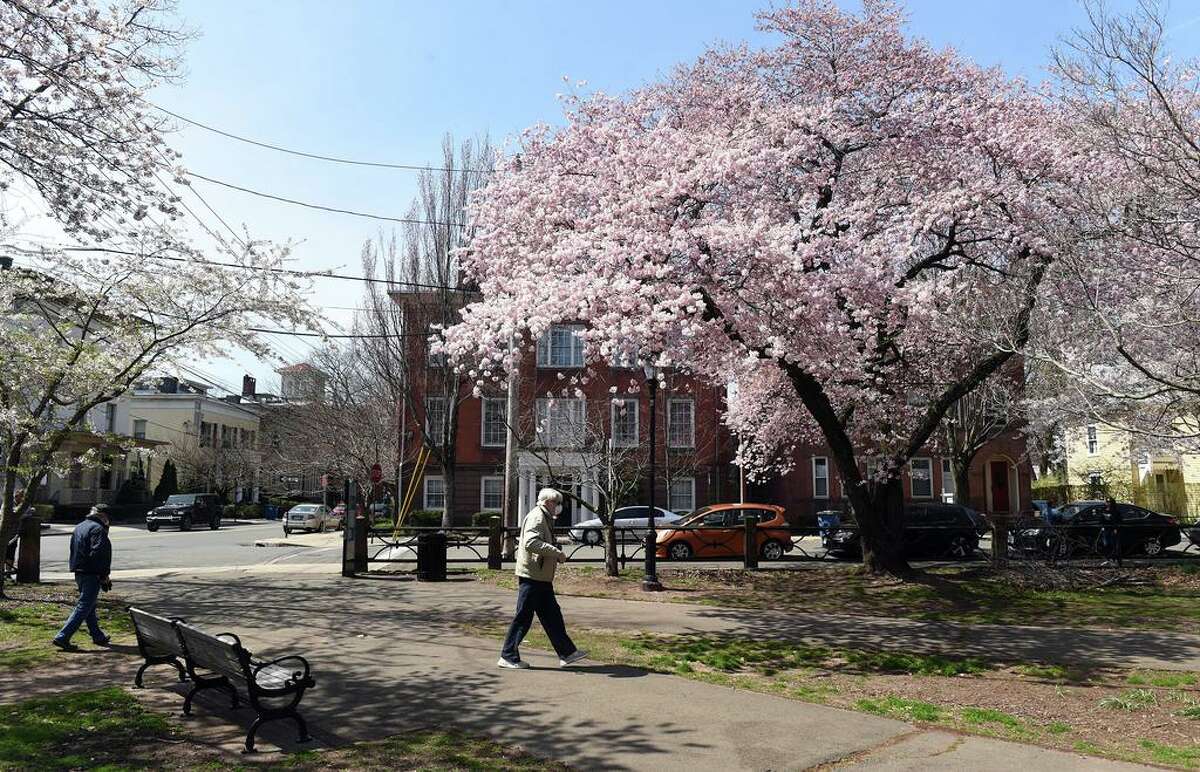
x=536 y=598
x=85 y=610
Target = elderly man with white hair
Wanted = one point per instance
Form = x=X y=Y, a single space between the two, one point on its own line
x=537 y=559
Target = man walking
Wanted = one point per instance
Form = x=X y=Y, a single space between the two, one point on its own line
x=537 y=559
x=91 y=560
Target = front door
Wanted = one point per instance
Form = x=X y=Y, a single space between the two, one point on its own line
x=565 y=485
x=1000 y=498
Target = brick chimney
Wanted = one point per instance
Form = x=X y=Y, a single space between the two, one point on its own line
x=249 y=386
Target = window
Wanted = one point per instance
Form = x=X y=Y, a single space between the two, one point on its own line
x=1093 y=442
x=560 y=422
x=226 y=439
x=681 y=423
x=110 y=418
x=681 y=494
x=820 y=472
x=947 y=480
x=435 y=419
x=205 y=434
x=435 y=492
x=623 y=359
x=920 y=472
x=625 y=423
x=561 y=346
x=491 y=493
x=495 y=429
x=139 y=428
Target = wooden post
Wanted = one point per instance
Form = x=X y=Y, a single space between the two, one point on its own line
x=999 y=540
x=29 y=550
x=750 y=558
x=362 y=527
x=494 y=544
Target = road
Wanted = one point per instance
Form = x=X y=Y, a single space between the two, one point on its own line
x=136 y=549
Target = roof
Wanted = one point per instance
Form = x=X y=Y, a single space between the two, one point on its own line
x=300 y=367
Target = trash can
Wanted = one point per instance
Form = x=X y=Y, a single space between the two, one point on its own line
x=431 y=556
x=828 y=520
x=271 y=512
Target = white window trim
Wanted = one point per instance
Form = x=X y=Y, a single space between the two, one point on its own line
x=483 y=481
x=637 y=420
x=949 y=484
x=544 y=363
x=578 y=417
x=435 y=440
x=425 y=491
x=691 y=481
x=483 y=443
x=828 y=484
x=670 y=426
x=1093 y=445
x=911 y=490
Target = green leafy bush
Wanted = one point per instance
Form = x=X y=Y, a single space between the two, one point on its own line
x=484 y=519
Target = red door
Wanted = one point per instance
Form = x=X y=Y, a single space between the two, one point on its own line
x=1000 y=499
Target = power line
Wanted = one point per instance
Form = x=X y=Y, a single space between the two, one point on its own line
x=318 y=156
x=288 y=271
x=305 y=334
x=351 y=212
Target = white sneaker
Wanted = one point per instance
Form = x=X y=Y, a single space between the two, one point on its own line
x=519 y=665
x=571 y=659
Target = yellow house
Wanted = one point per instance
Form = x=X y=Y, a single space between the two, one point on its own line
x=215 y=441
x=1103 y=461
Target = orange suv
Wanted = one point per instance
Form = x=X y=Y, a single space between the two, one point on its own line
x=716 y=531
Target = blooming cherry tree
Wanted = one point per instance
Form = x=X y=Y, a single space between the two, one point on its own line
x=852 y=227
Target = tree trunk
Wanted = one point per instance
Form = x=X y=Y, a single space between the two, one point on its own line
x=610 y=551
x=448 y=474
x=880 y=517
x=962 y=481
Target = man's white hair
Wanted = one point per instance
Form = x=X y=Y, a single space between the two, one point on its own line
x=549 y=494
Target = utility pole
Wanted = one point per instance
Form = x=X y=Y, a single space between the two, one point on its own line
x=509 y=502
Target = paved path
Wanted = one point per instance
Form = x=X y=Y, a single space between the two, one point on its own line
x=388 y=656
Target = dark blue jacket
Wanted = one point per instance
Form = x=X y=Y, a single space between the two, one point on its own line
x=91 y=551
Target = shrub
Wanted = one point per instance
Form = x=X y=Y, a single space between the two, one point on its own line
x=484 y=519
x=424 y=518
x=248 y=511
x=229 y=511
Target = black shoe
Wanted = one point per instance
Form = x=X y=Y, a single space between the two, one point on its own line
x=65 y=645
x=102 y=642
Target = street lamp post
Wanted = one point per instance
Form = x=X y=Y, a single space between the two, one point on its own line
x=650 y=583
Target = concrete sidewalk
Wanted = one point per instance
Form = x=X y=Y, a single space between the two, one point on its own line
x=388 y=656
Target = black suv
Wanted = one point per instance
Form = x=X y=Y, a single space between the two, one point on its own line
x=930 y=530
x=185 y=510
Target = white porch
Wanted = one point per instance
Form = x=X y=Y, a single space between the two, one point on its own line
x=533 y=475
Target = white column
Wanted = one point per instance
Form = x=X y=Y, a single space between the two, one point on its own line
x=523 y=494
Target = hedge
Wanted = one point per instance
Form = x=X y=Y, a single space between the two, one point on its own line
x=483 y=519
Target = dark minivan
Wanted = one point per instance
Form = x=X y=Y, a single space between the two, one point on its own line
x=930 y=531
x=186 y=510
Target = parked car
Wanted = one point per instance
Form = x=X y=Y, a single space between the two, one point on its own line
x=1086 y=526
x=716 y=532
x=337 y=517
x=185 y=510
x=307 y=517
x=592 y=531
x=930 y=530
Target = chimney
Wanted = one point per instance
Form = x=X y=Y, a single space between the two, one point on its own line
x=249 y=386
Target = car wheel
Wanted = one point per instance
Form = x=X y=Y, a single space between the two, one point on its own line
x=151 y=527
x=185 y=523
x=960 y=548
x=679 y=550
x=1153 y=547
x=1060 y=547
x=591 y=537
x=771 y=550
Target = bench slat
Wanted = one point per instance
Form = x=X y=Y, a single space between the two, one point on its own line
x=156 y=633
x=211 y=653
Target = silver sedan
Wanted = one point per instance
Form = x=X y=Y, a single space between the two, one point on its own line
x=592 y=531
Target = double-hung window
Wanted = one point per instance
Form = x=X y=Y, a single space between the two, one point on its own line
x=560 y=422
x=820 y=473
x=495 y=430
x=681 y=423
x=625 y=423
x=920 y=473
x=435 y=419
x=561 y=346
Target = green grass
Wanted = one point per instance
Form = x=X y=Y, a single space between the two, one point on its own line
x=28 y=623
x=1058 y=727
x=915 y=664
x=988 y=716
x=899 y=707
x=1172 y=755
x=1132 y=700
x=1045 y=672
x=95 y=729
x=435 y=750
x=1192 y=712
x=1163 y=680
x=974 y=595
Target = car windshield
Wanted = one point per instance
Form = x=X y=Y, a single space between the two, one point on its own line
x=305 y=509
x=697 y=516
x=181 y=499
x=1070 y=510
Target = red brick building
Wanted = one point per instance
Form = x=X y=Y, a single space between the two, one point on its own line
x=694 y=451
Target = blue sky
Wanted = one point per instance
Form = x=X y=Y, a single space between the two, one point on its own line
x=384 y=81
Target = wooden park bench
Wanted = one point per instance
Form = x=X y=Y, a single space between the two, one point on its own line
x=273 y=688
x=158 y=642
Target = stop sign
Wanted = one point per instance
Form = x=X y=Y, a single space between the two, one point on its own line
x=376 y=473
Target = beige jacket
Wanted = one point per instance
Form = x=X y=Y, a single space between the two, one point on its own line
x=537 y=555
